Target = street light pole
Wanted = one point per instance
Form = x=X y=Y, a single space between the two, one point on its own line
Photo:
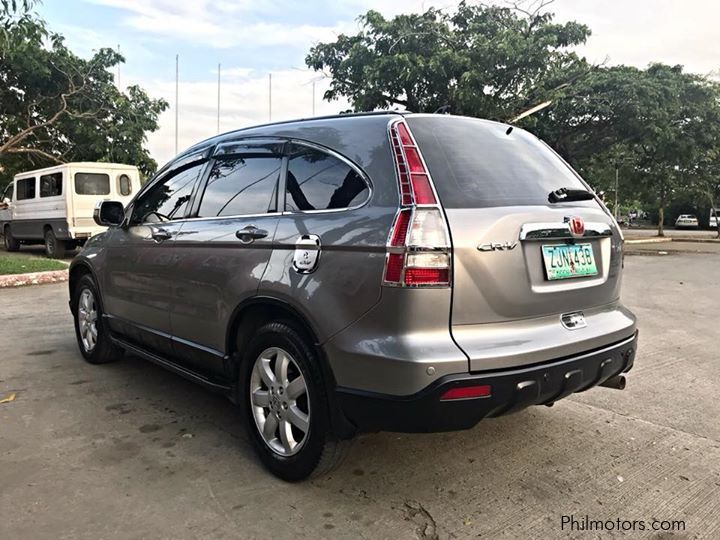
x=218 y=105
x=269 y=97
x=177 y=76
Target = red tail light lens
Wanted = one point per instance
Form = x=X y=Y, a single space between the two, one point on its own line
x=418 y=246
x=467 y=392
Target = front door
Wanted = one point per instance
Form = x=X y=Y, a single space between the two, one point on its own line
x=223 y=250
x=142 y=260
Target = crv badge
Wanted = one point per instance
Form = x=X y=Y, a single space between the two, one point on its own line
x=574 y=320
x=497 y=246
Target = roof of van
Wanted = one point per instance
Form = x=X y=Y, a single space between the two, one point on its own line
x=77 y=164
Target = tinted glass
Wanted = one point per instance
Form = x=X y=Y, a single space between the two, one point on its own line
x=319 y=181
x=168 y=199
x=25 y=189
x=475 y=163
x=240 y=186
x=92 y=184
x=51 y=185
x=124 y=185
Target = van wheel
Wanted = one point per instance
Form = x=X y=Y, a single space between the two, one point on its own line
x=285 y=404
x=93 y=336
x=54 y=248
x=9 y=241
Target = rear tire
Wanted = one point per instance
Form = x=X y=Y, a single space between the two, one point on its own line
x=9 y=241
x=92 y=334
x=54 y=248
x=286 y=409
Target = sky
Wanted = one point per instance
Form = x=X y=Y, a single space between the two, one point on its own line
x=254 y=38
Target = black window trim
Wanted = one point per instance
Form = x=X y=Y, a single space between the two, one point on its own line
x=333 y=153
x=62 y=184
x=221 y=153
x=35 y=178
x=166 y=174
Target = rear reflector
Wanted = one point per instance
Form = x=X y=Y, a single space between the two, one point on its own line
x=424 y=276
x=467 y=392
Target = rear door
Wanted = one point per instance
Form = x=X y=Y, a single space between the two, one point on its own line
x=514 y=255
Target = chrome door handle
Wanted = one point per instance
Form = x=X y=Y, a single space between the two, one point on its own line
x=250 y=233
x=160 y=235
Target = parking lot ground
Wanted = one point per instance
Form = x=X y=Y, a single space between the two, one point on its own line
x=674 y=247
x=128 y=450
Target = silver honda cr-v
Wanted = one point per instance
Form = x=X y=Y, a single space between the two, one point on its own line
x=384 y=271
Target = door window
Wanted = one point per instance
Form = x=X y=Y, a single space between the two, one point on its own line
x=8 y=194
x=241 y=186
x=51 y=185
x=168 y=199
x=318 y=181
x=25 y=189
x=92 y=184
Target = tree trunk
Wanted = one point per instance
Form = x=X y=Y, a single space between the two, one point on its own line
x=661 y=220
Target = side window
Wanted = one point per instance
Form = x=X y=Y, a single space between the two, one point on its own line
x=92 y=184
x=124 y=185
x=25 y=189
x=319 y=181
x=240 y=186
x=51 y=184
x=168 y=199
x=8 y=194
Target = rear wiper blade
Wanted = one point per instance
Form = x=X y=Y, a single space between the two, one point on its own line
x=569 y=195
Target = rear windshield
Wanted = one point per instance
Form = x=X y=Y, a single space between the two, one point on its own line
x=475 y=163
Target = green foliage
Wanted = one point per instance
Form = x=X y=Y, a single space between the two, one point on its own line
x=23 y=264
x=485 y=61
x=57 y=107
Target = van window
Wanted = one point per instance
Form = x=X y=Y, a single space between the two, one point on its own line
x=241 y=186
x=8 y=194
x=476 y=163
x=92 y=184
x=124 y=185
x=51 y=185
x=318 y=181
x=25 y=189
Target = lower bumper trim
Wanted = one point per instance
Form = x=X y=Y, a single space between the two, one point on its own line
x=512 y=390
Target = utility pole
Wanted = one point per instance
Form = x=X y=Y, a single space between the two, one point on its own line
x=313 y=105
x=177 y=78
x=269 y=97
x=118 y=75
x=218 y=108
x=617 y=183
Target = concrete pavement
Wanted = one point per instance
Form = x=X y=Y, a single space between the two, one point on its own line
x=128 y=450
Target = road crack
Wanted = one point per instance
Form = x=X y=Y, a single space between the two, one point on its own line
x=426 y=526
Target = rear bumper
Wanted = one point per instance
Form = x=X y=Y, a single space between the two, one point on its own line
x=511 y=390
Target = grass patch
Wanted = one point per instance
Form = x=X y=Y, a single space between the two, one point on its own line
x=23 y=264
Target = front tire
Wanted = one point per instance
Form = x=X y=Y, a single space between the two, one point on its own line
x=285 y=404
x=92 y=334
x=9 y=241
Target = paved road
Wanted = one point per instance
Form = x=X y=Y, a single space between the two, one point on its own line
x=130 y=451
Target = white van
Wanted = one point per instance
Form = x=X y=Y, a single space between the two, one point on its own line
x=714 y=217
x=55 y=205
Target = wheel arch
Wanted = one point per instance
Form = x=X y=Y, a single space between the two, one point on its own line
x=78 y=269
x=253 y=313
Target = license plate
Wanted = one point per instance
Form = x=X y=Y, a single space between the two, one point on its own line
x=565 y=261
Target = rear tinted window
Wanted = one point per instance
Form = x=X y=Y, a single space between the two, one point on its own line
x=318 y=181
x=25 y=189
x=475 y=163
x=92 y=184
x=51 y=185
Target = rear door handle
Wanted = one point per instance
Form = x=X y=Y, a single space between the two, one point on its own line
x=250 y=233
x=160 y=235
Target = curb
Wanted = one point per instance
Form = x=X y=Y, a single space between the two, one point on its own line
x=33 y=278
x=649 y=240
x=672 y=239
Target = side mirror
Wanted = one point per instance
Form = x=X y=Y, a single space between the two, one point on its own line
x=109 y=213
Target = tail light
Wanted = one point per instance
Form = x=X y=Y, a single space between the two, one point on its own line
x=418 y=248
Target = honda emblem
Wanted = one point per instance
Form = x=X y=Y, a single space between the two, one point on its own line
x=576 y=225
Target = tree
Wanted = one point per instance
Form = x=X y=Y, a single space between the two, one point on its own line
x=57 y=107
x=487 y=61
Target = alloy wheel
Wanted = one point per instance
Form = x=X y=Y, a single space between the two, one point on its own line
x=87 y=320
x=280 y=402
